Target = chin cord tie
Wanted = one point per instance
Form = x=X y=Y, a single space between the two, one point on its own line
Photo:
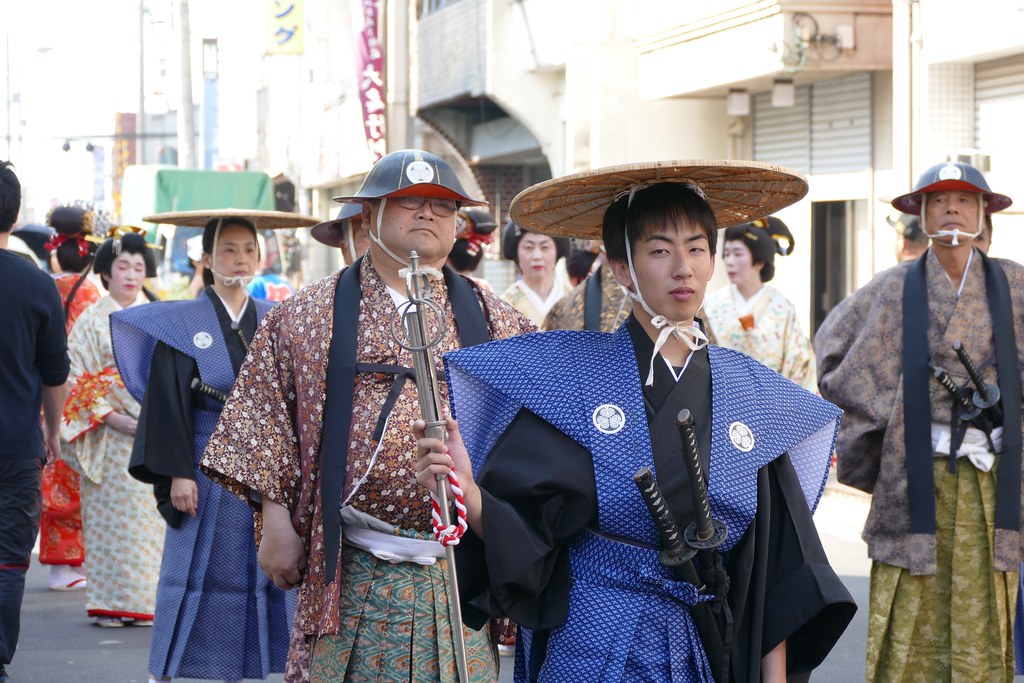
x=452 y=534
x=229 y=280
x=955 y=233
x=688 y=333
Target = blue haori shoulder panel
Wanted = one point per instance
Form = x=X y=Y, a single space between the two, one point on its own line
x=587 y=385
x=190 y=327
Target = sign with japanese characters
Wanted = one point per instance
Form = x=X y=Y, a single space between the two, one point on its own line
x=370 y=73
x=285 y=29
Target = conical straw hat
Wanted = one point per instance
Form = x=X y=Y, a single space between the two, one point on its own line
x=737 y=192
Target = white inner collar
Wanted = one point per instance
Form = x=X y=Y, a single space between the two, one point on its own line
x=235 y=319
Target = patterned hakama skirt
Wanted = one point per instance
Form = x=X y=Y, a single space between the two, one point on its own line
x=395 y=627
x=958 y=624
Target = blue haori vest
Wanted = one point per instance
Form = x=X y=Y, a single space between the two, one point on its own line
x=587 y=385
x=190 y=327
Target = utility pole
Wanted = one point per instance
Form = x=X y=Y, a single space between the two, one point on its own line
x=140 y=122
x=186 y=113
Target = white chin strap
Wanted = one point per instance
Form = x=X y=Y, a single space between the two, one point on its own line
x=232 y=280
x=229 y=280
x=956 y=233
x=689 y=334
x=432 y=273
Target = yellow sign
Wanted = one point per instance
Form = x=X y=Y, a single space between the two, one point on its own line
x=285 y=28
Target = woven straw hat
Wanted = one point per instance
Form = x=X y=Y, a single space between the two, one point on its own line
x=262 y=220
x=737 y=192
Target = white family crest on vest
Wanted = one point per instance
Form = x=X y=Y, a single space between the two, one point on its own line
x=609 y=418
x=202 y=340
x=741 y=436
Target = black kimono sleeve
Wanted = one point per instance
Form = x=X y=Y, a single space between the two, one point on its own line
x=164 y=445
x=538 y=492
x=783 y=588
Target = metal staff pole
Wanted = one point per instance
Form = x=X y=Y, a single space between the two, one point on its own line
x=417 y=340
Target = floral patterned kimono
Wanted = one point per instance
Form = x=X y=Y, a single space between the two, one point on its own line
x=124 y=534
x=60 y=525
x=765 y=328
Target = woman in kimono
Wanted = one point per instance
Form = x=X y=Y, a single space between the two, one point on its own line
x=60 y=526
x=535 y=256
x=217 y=616
x=753 y=317
x=122 y=532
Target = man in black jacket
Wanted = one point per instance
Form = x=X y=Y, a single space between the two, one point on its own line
x=33 y=368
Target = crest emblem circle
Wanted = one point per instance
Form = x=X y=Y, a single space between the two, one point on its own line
x=950 y=172
x=609 y=418
x=419 y=172
x=202 y=340
x=741 y=436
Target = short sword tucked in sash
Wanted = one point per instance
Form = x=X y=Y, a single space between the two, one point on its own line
x=713 y=618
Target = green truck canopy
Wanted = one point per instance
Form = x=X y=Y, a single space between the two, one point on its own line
x=155 y=189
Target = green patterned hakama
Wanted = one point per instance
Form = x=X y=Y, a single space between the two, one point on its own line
x=395 y=627
x=958 y=624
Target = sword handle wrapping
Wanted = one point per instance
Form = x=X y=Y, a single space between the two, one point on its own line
x=698 y=484
x=968 y=411
x=204 y=388
x=705 y=532
x=988 y=393
x=674 y=548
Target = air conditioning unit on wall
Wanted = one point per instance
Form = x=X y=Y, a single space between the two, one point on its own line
x=974 y=157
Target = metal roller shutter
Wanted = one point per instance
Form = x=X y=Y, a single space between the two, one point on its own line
x=998 y=103
x=827 y=130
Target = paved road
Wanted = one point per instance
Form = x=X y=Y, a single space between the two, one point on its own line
x=59 y=644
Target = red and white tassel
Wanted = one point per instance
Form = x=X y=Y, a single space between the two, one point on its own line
x=452 y=534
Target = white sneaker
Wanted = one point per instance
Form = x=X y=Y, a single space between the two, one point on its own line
x=109 y=622
x=64 y=577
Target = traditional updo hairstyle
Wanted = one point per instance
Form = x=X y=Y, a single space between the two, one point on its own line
x=765 y=238
x=513 y=234
x=130 y=243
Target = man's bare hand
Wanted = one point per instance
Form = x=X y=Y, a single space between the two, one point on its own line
x=52 y=444
x=436 y=457
x=281 y=554
x=184 y=495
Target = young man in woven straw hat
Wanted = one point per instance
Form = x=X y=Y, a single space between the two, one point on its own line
x=943 y=465
x=179 y=359
x=315 y=436
x=554 y=428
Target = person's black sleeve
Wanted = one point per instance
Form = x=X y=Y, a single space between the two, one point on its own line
x=51 y=357
x=805 y=602
x=163 y=446
x=537 y=489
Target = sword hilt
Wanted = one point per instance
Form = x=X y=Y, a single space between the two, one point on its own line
x=987 y=395
x=204 y=388
x=705 y=532
x=968 y=411
x=674 y=550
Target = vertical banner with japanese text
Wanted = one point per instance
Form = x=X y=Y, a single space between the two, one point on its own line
x=285 y=27
x=370 y=73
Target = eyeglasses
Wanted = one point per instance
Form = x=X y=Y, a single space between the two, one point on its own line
x=440 y=207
